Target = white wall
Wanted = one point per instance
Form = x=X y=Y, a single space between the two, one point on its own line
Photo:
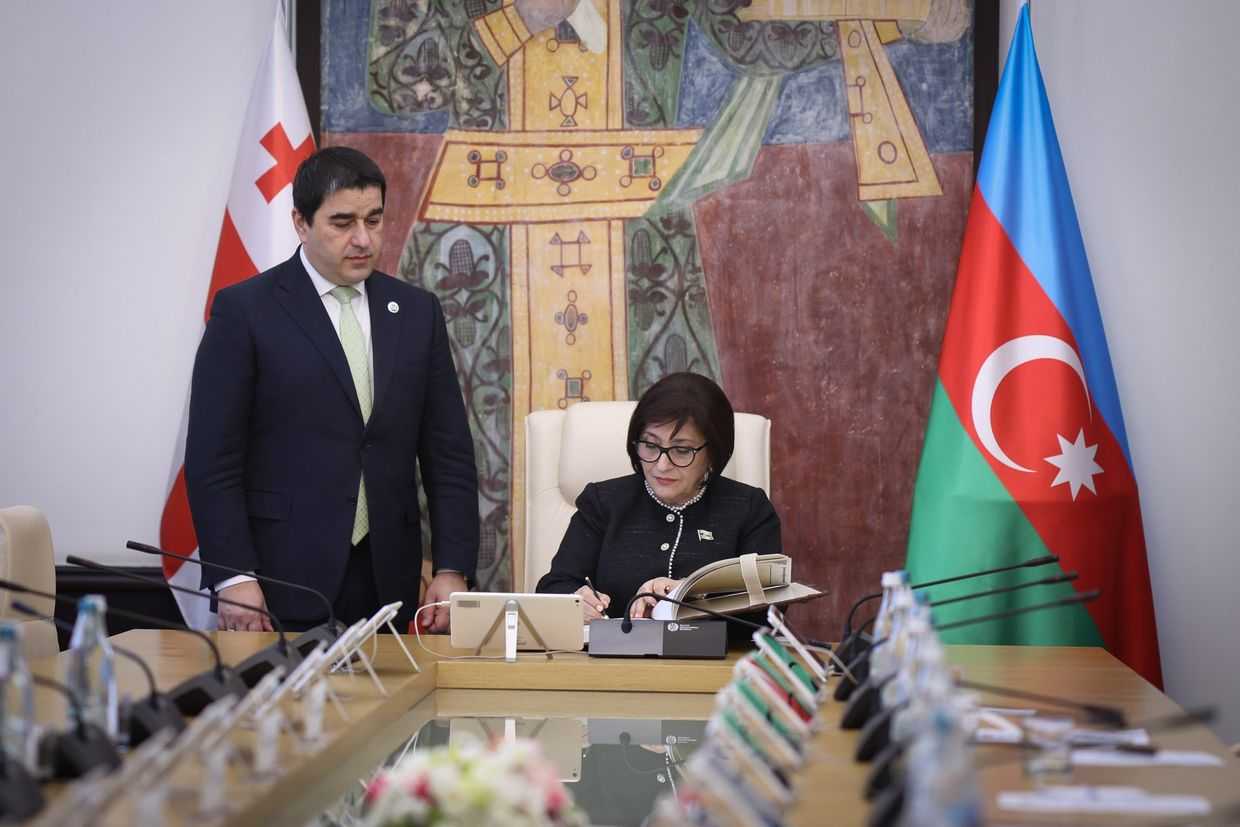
x=121 y=120
x=1146 y=107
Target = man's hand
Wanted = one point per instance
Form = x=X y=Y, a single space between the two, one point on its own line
x=237 y=619
x=659 y=585
x=443 y=585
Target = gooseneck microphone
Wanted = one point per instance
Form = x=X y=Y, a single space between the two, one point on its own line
x=859 y=666
x=20 y=795
x=1079 y=597
x=146 y=717
x=626 y=625
x=848 y=630
x=864 y=701
x=305 y=642
x=884 y=773
x=621 y=638
x=876 y=736
x=1068 y=577
x=192 y=695
x=252 y=668
x=80 y=748
x=1111 y=716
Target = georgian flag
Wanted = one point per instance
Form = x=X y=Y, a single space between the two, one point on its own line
x=257 y=234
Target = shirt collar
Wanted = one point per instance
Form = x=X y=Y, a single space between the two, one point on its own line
x=322 y=285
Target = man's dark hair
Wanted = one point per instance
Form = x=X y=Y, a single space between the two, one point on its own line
x=680 y=397
x=329 y=170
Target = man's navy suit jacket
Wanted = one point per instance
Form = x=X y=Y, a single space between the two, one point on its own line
x=276 y=441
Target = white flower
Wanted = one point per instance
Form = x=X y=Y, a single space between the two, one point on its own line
x=469 y=783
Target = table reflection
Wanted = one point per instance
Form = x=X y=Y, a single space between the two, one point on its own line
x=614 y=768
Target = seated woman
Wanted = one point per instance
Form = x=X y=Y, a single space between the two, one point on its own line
x=646 y=531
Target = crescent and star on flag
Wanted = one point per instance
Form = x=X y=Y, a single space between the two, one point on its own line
x=1076 y=459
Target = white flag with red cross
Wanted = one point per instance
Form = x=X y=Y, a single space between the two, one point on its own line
x=257 y=234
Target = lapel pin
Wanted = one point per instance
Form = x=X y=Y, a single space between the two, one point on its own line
x=703 y=534
x=393 y=307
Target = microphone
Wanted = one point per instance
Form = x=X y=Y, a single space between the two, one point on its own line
x=887 y=779
x=1079 y=597
x=305 y=642
x=861 y=706
x=859 y=666
x=252 y=668
x=1169 y=723
x=80 y=748
x=1066 y=577
x=626 y=625
x=190 y=696
x=1111 y=716
x=883 y=772
x=847 y=633
x=20 y=795
x=145 y=717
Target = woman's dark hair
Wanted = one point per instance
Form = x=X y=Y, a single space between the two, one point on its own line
x=680 y=397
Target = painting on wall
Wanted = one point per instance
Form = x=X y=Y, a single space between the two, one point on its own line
x=601 y=192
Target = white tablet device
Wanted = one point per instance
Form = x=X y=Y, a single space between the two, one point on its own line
x=558 y=618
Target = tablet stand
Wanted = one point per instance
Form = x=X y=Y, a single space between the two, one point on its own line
x=511 y=617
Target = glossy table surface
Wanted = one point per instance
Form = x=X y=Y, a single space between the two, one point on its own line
x=579 y=706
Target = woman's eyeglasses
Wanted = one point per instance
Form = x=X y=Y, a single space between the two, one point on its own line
x=681 y=456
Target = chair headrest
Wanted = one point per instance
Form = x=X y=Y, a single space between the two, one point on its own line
x=584 y=458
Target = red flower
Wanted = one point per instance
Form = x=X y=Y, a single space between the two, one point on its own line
x=421 y=788
x=557 y=800
x=375 y=789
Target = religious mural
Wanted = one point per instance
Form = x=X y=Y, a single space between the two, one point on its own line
x=768 y=192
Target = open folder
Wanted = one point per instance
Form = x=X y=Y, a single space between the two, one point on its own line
x=734 y=586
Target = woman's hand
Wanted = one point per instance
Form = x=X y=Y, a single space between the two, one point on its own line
x=659 y=585
x=594 y=604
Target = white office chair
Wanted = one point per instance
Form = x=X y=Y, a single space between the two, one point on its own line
x=26 y=558
x=566 y=450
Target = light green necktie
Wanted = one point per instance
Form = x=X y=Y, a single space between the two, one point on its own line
x=359 y=365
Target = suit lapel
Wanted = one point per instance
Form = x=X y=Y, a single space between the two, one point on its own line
x=385 y=324
x=296 y=294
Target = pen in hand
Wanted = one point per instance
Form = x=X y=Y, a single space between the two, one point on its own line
x=601 y=608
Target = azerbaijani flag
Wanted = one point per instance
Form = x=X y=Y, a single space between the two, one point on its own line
x=1025 y=451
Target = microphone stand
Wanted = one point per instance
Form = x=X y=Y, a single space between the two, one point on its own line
x=847 y=634
x=252 y=668
x=304 y=643
x=860 y=665
x=626 y=625
x=145 y=717
x=864 y=702
x=192 y=695
x=83 y=746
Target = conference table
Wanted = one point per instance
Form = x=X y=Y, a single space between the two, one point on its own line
x=617 y=729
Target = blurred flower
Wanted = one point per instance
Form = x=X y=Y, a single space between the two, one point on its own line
x=505 y=783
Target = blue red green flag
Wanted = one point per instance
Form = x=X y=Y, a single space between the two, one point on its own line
x=1025 y=451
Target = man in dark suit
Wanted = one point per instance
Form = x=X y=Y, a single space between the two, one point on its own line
x=319 y=387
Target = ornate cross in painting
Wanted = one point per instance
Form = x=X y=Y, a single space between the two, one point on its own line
x=601 y=192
